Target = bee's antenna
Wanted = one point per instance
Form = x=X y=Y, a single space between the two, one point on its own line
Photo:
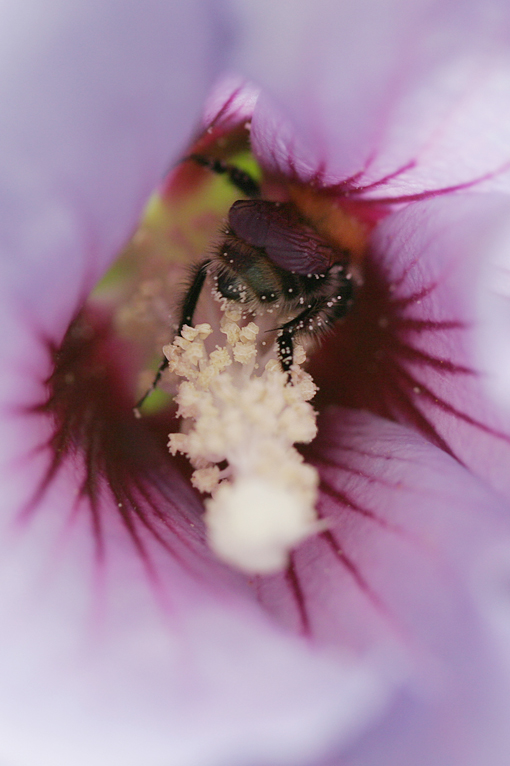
x=237 y=177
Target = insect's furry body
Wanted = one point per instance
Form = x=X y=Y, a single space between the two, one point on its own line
x=270 y=259
x=306 y=300
x=308 y=304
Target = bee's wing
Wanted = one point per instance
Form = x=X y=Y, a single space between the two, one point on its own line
x=277 y=228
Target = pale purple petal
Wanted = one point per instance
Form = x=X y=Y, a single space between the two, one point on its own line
x=433 y=258
x=399 y=572
x=491 y=297
x=94 y=110
x=105 y=666
x=393 y=99
x=233 y=99
x=105 y=662
x=129 y=657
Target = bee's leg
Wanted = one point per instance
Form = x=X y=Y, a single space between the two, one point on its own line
x=285 y=341
x=188 y=307
x=300 y=324
x=315 y=320
x=192 y=295
x=237 y=177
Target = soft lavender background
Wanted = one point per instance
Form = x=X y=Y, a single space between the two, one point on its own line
x=99 y=667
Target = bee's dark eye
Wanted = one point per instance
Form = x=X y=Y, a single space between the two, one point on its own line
x=230 y=287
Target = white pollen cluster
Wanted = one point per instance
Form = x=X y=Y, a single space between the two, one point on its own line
x=246 y=416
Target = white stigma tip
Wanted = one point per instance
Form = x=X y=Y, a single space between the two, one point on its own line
x=253 y=523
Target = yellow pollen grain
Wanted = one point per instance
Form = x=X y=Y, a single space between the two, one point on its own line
x=220 y=359
x=231 y=330
x=194 y=354
x=249 y=333
x=244 y=352
x=177 y=443
x=206 y=479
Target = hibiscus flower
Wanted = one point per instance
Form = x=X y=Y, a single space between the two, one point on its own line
x=124 y=640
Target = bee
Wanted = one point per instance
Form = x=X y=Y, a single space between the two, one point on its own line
x=269 y=257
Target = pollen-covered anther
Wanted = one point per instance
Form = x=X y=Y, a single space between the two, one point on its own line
x=206 y=479
x=242 y=412
x=177 y=443
x=244 y=352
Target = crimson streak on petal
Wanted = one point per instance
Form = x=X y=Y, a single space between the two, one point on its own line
x=374 y=359
x=115 y=455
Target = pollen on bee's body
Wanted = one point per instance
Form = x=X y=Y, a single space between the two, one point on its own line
x=242 y=411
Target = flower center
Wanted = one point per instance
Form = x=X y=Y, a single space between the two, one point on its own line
x=280 y=269
x=235 y=375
